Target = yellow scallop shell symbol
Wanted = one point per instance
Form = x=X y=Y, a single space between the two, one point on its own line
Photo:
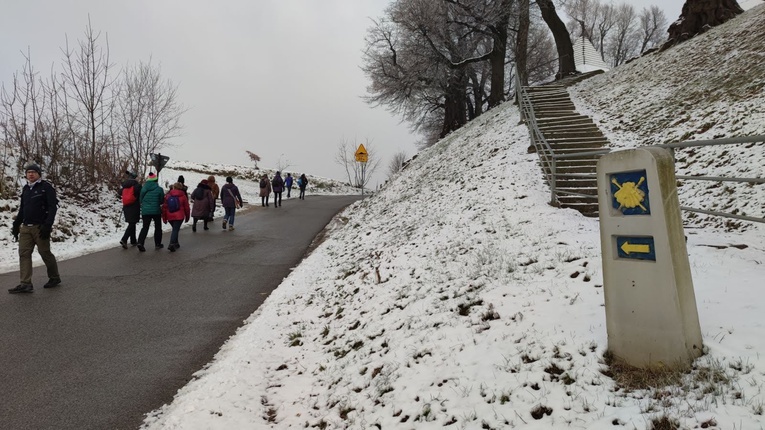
x=630 y=195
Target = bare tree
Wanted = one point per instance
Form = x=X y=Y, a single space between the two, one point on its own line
x=522 y=42
x=359 y=174
x=254 y=158
x=148 y=113
x=653 y=21
x=396 y=163
x=623 y=43
x=283 y=163
x=584 y=18
x=605 y=22
x=88 y=81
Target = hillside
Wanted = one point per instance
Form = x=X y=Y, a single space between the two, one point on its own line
x=457 y=297
x=710 y=87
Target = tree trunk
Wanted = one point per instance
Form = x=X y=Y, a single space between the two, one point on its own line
x=498 y=54
x=698 y=16
x=455 y=103
x=522 y=43
x=566 y=65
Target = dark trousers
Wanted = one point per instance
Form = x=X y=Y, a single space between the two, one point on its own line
x=176 y=229
x=29 y=237
x=302 y=193
x=277 y=198
x=288 y=191
x=147 y=219
x=130 y=233
x=200 y=218
x=264 y=201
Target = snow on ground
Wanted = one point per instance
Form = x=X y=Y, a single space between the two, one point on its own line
x=457 y=297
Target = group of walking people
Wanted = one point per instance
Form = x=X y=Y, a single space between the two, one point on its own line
x=277 y=185
x=150 y=204
x=147 y=203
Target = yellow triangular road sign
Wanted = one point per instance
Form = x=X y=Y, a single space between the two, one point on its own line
x=361 y=154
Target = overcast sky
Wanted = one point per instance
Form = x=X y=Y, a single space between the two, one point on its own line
x=280 y=78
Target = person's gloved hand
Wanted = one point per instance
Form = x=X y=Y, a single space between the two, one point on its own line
x=15 y=232
x=45 y=232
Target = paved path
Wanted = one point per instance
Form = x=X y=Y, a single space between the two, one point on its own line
x=126 y=330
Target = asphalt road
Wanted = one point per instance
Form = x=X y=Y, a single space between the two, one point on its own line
x=126 y=330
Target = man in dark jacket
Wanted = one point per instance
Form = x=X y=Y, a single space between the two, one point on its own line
x=131 y=207
x=32 y=227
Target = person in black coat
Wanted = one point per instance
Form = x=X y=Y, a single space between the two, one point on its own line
x=131 y=207
x=32 y=227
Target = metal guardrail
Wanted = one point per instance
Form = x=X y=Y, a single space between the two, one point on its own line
x=541 y=146
x=549 y=158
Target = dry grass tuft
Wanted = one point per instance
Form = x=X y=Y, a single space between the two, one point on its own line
x=633 y=378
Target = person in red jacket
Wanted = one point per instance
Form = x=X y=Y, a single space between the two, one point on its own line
x=175 y=210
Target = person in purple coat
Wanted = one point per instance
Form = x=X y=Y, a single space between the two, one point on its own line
x=204 y=204
x=231 y=201
x=278 y=186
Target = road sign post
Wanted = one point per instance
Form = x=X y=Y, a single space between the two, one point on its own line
x=158 y=161
x=362 y=156
x=651 y=314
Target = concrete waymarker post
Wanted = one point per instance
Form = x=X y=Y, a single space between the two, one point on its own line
x=651 y=314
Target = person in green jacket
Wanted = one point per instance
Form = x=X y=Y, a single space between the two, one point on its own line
x=152 y=197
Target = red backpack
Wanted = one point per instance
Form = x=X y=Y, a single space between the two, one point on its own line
x=128 y=196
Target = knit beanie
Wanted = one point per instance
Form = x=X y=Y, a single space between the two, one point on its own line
x=152 y=177
x=33 y=166
x=181 y=179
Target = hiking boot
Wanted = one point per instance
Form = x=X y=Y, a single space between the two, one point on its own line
x=141 y=247
x=52 y=283
x=224 y=224
x=207 y=228
x=21 y=288
x=171 y=248
x=231 y=228
x=160 y=246
x=124 y=244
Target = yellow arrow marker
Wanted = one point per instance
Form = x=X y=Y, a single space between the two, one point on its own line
x=636 y=248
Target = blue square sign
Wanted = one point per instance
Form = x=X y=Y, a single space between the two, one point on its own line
x=629 y=191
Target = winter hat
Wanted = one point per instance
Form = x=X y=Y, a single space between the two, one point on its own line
x=229 y=179
x=33 y=166
x=204 y=181
x=181 y=179
x=152 y=177
x=131 y=173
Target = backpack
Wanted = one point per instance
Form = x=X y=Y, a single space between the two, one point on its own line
x=128 y=196
x=173 y=203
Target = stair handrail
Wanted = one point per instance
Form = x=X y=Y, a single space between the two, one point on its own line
x=538 y=141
